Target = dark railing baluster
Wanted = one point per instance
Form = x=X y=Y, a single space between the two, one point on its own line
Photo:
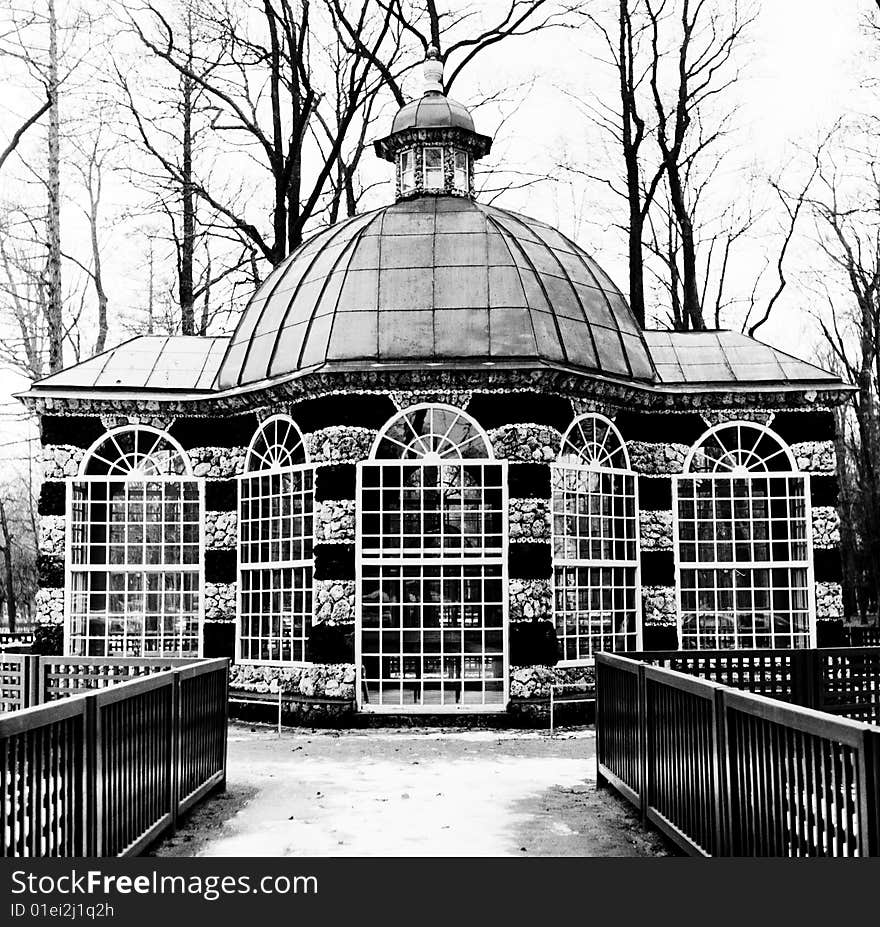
x=112 y=757
x=726 y=772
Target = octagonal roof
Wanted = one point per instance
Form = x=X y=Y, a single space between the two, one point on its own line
x=433 y=111
x=437 y=280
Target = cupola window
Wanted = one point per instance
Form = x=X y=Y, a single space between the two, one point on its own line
x=433 y=168
x=461 y=170
x=407 y=171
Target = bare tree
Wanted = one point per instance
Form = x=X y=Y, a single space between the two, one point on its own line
x=847 y=212
x=255 y=66
x=624 y=34
x=18 y=543
x=43 y=46
x=8 y=571
x=425 y=24
x=699 y=39
x=93 y=151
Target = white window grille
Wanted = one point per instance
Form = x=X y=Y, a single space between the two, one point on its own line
x=134 y=578
x=462 y=170
x=407 y=171
x=275 y=565
x=743 y=542
x=595 y=536
x=432 y=576
x=433 y=169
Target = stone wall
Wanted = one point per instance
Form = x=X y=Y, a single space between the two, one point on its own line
x=339 y=444
x=530 y=599
x=826 y=526
x=221 y=530
x=655 y=529
x=528 y=520
x=829 y=601
x=220 y=601
x=217 y=463
x=334 y=521
x=61 y=460
x=331 y=681
x=334 y=601
x=53 y=530
x=815 y=456
x=527 y=443
x=534 y=682
x=656 y=458
x=658 y=606
x=49 y=606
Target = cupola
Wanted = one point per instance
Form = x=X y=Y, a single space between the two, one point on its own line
x=433 y=143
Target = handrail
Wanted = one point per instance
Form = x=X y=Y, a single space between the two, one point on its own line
x=105 y=772
x=724 y=772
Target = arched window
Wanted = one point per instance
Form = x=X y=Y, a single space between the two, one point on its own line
x=433 y=432
x=432 y=528
x=742 y=540
x=595 y=533
x=135 y=570
x=275 y=567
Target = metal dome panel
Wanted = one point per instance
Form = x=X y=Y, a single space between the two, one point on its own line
x=431 y=112
x=439 y=280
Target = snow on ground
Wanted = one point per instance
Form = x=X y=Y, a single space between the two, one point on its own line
x=411 y=792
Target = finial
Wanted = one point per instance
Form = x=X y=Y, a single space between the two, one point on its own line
x=433 y=71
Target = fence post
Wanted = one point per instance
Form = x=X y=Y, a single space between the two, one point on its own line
x=805 y=678
x=41 y=677
x=872 y=792
x=644 y=790
x=722 y=775
x=174 y=749
x=93 y=779
x=601 y=781
x=32 y=677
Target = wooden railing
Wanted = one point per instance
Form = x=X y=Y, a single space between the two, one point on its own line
x=15 y=639
x=862 y=636
x=838 y=680
x=61 y=677
x=27 y=680
x=19 y=681
x=729 y=773
x=104 y=773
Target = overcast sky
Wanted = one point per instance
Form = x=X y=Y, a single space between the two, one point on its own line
x=807 y=61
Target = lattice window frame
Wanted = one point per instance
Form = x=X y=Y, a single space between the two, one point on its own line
x=584 y=470
x=128 y=472
x=444 y=682
x=740 y=579
x=269 y=479
x=449 y=450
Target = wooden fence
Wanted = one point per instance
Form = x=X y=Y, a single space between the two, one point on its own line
x=862 y=636
x=16 y=639
x=27 y=680
x=729 y=773
x=104 y=773
x=838 y=680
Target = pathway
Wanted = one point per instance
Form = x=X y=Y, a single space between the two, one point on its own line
x=411 y=792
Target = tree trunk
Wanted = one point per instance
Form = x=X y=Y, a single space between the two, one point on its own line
x=7 y=567
x=631 y=136
x=206 y=296
x=54 y=320
x=692 y=311
x=97 y=275
x=187 y=244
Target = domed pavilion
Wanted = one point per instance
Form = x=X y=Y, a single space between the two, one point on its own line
x=436 y=467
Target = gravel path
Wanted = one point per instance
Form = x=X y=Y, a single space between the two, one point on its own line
x=412 y=792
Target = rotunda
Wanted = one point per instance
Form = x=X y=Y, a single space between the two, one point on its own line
x=437 y=466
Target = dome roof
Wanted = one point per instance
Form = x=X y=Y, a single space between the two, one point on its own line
x=433 y=111
x=436 y=280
